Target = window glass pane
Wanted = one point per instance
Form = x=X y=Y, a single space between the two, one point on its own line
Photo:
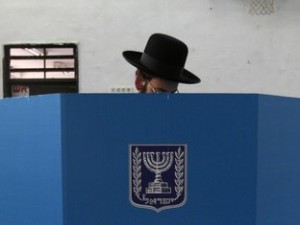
x=26 y=75
x=60 y=75
x=59 y=51
x=19 y=52
x=25 y=64
x=60 y=63
x=26 y=51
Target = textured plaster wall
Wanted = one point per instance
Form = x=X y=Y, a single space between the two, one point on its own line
x=231 y=50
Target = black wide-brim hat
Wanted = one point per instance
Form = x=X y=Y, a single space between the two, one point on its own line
x=164 y=56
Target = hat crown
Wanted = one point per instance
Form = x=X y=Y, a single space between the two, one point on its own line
x=167 y=49
x=164 y=56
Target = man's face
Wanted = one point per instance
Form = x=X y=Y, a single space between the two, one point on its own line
x=149 y=84
x=159 y=85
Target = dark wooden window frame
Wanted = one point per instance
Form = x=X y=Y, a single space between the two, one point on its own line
x=8 y=82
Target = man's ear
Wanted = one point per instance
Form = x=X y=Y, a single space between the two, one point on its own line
x=139 y=82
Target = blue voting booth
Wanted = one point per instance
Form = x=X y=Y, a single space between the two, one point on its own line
x=93 y=159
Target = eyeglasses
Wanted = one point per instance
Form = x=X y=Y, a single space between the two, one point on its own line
x=160 y=90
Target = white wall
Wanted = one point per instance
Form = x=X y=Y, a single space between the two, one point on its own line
x=231 y=50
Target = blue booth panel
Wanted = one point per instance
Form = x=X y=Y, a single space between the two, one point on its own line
x=30 y=161
x=278 y=183
x=197 y=159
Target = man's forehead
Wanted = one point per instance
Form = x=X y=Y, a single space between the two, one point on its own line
x=160 y=80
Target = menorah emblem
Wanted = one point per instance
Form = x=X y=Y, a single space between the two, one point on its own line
x=158 y=163
x=158 y=175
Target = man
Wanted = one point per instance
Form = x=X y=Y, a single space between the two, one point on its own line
x=161 y=66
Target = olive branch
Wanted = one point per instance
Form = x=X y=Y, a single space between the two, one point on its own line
x=179 y=172
x=137 y=172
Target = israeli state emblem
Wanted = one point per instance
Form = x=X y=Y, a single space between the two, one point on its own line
x=158 y=176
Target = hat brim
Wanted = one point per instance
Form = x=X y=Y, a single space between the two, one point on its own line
x=134 y=57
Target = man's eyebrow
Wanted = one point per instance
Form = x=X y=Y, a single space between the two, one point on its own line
x=161 y=90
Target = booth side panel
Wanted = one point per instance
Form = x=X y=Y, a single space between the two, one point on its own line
x=30 y=161
x=278 y=161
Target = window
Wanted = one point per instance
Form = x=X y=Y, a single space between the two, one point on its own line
x=32 y=69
